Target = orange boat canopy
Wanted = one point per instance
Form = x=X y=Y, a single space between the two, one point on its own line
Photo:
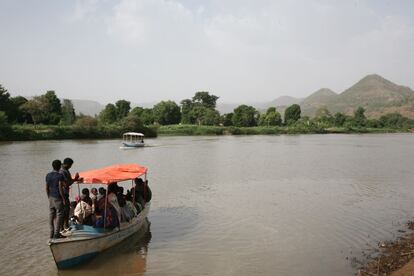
x=115 y=173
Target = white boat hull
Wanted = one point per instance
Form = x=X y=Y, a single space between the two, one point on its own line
x=82 y=246
x=133 y=145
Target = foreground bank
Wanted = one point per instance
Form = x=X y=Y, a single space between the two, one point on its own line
x=44 y=132
x=392 y=257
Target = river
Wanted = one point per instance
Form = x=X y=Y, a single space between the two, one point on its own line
x=228 y=205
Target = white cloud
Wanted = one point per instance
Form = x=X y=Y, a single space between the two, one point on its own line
x=84 y=9
x=148 y=22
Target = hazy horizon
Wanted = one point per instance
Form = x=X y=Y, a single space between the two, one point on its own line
x=145 y=51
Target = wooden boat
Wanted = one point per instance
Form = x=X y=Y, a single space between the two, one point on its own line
x=133 y=139
x=84 y=242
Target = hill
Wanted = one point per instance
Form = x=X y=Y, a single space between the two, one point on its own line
x=320 y=98
x=377 y=95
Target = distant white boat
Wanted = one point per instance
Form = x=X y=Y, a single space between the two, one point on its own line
x=133 y=139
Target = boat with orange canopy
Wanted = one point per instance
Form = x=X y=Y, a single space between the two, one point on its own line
x=83 y=242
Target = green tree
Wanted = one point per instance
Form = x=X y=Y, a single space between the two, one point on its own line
x=137 y=111
x=4 y=125
x=359 y=117
x=339 y=119
x=131 y=123
x=393 y=120
x=145 y=114
x=292 y=114
x=204 y=116
x=3 y=119
x=109 y=114
x=323 y=117
x=186 y=107
x=17 y=114
x=122 y=108
x=37 y=108
x=245 y=116
x=68 y=112
x=167 y=113
x=53 y=107
x=5 y=102
x=270 y=118
x=86 y=122
x=226 y=119
x=205 y=99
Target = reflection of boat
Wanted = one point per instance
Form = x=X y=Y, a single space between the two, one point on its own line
x=84 y=242
x=133 y=139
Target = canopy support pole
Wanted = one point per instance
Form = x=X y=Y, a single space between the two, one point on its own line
x=106 y=200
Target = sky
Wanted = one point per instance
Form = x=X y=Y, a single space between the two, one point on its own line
x=242 y=51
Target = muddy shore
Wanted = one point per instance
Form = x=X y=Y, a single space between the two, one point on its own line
x=392 y=257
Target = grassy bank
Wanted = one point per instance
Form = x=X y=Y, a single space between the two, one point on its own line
x=45 y=132
x=193 y=130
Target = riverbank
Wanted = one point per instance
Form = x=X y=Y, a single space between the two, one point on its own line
x=45 y=132
x=193 y=130
x=393 y=257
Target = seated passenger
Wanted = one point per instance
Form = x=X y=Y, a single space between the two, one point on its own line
x=113 y=199
x=126 y=213
x=88 y=199
x=83 y=212
x=111 y=218
x=94 y=198
x=102 y=193
x=143 y=192
x=130 y=204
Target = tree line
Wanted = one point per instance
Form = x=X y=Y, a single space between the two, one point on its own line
x=200 y=110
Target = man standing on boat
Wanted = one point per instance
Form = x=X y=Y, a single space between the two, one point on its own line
x=67 y=164
x=54 y=190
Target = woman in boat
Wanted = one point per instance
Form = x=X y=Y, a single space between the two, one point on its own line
x=113 y=199
x=83 y=211
x=112 y=220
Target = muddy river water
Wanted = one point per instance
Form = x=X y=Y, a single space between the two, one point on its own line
x=231 y=205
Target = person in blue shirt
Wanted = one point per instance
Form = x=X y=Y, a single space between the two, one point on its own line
x=54 y=190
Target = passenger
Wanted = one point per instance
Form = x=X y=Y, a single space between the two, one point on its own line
x=126 y=213
x=113 y=199
x=64 y=170
x=102 y=193
x=138 y=203
x=94 y=197
x=111 y=218
x=55 y=192
x=143 y=192
x=88 y=199
x=83 y=211
x=130 y=205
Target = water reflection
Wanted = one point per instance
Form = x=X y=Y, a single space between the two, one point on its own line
x=127 y=258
